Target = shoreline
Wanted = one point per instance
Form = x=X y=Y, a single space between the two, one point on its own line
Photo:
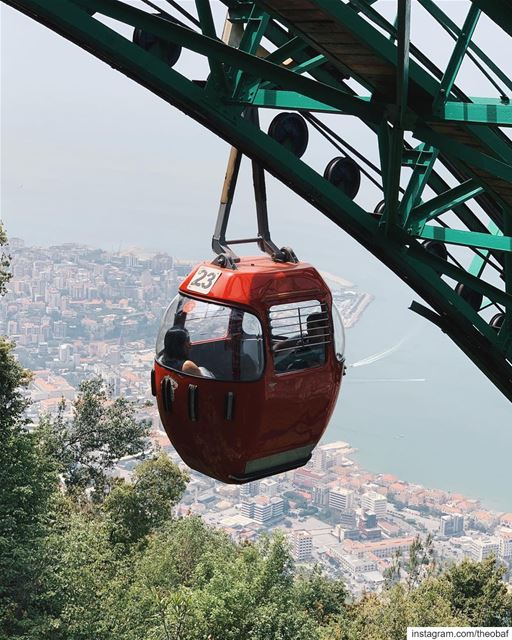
x=428 y=498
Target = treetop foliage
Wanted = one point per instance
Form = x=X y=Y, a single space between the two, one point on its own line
x=100 y=432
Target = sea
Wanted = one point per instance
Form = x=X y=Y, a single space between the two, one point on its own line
x=414 y=405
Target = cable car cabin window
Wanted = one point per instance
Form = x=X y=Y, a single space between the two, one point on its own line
x=339 y=334
x=300 y=332
x=226 y=343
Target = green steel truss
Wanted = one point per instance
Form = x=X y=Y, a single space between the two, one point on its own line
x=303 y=55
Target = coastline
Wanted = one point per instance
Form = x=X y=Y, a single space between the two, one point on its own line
x=432 y=501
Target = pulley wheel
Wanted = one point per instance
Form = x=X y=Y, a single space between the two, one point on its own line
x=167 y=51
x=290 y=130
x=436 y=248
x=497 y=321
x=345 y=174
x=472 y=297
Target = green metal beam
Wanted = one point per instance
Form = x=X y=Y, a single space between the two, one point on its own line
x=277 y=99
x=452 y=28
x=465 y=153
x=505 y=334
x=418 y=181
x=376 y=41
x=217 y=78
x=481 y=259
x=457 y=57
x=499 y=11
x=396 y=144
x=288 y=50
x=444 y=202
x=256 y=67
x=420 y=157
x=309 y=65
x=467 y=238
x=421 y=174
x=490 y=113
x=246 y=83
x=254 y=31
x=420 y=256
x=280 y=37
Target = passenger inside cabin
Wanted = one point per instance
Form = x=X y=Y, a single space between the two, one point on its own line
x=177 y=351
x=316 y=331
x=316 y=327
x=303 y=351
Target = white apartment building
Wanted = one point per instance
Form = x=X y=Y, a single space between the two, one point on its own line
x=247 y=508
x=302 y=545
x=375 y=502
x=504 y=535
x=277 y=506
x=482 y=548
x=319 y=460
x=249 y=489
x=356 y=565
x=389 y=548
x=320 y=495
x=451 y=525
x=262 y=509
x=269 y=487
x=340 y=498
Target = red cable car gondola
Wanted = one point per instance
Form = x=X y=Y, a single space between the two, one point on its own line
x=249 y=356
x=269 y=344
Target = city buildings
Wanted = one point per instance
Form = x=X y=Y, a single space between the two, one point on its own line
x=374 y=502
x=262 y=508
x=341 y=498
x=482 y=548
x=451 y=525
x=302 y=545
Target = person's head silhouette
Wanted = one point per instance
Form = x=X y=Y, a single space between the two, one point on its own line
x=177 y=343
x=316 y=324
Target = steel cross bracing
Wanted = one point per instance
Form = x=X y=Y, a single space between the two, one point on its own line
x=442 y=159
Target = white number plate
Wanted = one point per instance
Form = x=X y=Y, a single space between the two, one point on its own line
x=204 y=279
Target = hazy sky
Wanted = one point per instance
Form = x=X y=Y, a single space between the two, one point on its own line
x=90 y=156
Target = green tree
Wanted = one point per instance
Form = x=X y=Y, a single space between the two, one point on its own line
x=420 y=562
x=477 y=591
x=387 y=616
x=101 y=432
x=27 y=493
x=323 y=598
x=88 y=575
x=193 y=582
x=27 y=496
x=134 y=509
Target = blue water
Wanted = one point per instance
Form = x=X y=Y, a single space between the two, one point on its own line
x=425 y=412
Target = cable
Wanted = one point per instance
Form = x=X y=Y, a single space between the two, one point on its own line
x=184 y=12
x=328 y=135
